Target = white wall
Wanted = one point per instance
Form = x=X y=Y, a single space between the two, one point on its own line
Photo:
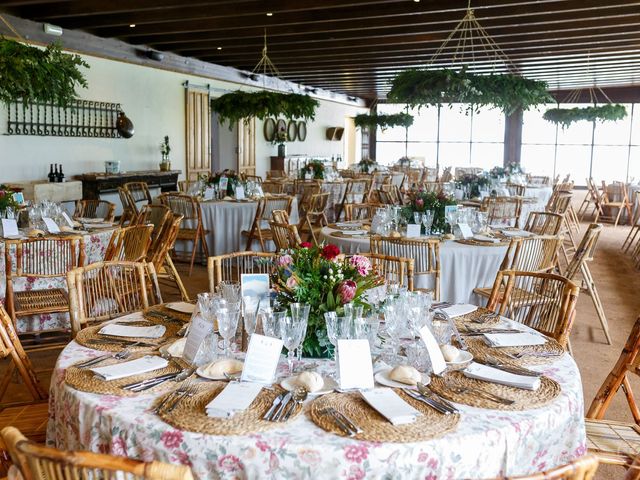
x=154 y=100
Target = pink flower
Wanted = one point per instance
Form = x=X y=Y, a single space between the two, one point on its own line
x=355 y=473
x=419 y=202
x=119 y=447
x=356 y=453
x=292 y=283
x=171 y=439
x=312 y=457
x=347 y=290
x=362 y=264
x=262 y=445
x=423 y=457
x=230 y=463
x=285 y=260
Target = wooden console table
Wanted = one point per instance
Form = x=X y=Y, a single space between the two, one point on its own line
x=93 y=184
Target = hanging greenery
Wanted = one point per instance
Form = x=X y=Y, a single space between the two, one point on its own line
x=31 y=74
x=384 y=121
x=602 y=113
x=235 y=106
x=507 y=92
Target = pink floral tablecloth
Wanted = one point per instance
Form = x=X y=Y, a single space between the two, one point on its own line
x=95 y=245
x=486 y=443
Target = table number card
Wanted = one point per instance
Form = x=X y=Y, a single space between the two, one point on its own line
x=464 y=230
x=52 y=226
x=67 y=219
x=239 y=192
x=198 y=330
x=208 y=194
x=433 y=350
x=354 y=364
x=413 y=231
x=450 y=208
x=18 y=197
x=222 y=184
x=10 y=227
x=261 y=360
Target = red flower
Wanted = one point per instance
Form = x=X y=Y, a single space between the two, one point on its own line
x=330 y=252
x=171 y=439
x=230 y=463
x=306 y=245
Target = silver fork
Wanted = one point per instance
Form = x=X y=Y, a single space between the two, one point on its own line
x=189 y=391
x=532 y=353
x=122 y=355
x=458 y=388
x=177 y=392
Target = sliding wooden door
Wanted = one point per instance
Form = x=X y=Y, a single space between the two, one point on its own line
x=247 y=147
x=198 y=134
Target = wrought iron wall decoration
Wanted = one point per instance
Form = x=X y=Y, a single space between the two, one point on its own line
x=82 y=118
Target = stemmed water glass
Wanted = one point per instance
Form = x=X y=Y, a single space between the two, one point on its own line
x=300 y=313
x=230 y=291
x=417 y=216
x=427 y=221
x=228 y=323
x=250 y=308
x=291 y=335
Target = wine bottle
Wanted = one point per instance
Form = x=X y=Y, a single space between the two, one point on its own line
x=52 y=176
x=60 y=175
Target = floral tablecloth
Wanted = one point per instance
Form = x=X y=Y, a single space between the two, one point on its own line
x=95 y=245
x=486 y=444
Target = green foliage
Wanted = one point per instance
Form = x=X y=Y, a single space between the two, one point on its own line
x=6 y=199
x=314 y=167
x=475 y=183
x=507 y=92
x=235 y=106
x=602 y=113
x=423 y=201
x=384 y=121
x=31 y=75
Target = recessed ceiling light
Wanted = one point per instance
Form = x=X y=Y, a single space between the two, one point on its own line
x=417 y=1
x=269 y=14
x=219 y=48
x=132 y=25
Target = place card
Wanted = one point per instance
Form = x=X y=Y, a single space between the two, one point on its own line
x=262 y=357
x=459 y=309
x=465 y=230
x=240 y=192
x=354 y=364
x=413 y=230
x=18 y=197
x=10 y=227
x=222 y=184
x=389 y=404
x=209 y=193
x=67 y=219
x=145 y=364
x=234 y=398
x=198 y=330
x=52 y=226
x=433 y=350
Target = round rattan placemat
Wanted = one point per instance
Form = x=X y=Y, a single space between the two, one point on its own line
x=480 y=350
x=488 y=319
x=85 y=380
x=190 y=413
x=523 y=399
x=376 y=428
x=89 y=337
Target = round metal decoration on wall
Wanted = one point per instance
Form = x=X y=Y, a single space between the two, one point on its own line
x=281 y=125
x=124 y=125
x=269 y=129
x=302 y=131
x=292 y=131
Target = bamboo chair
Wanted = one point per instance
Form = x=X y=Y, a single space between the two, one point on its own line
x=184 y=186
x=433 y=187
x=360 y=211
x=276 y=174
x=11 y=348
x=591 y=198
x=583 y=468
x=95 y=209
x=505 y=210
x=191 y=228
x=315 y=218
x=129 y=211
x=129 y=244
x=516 y=190
x=429 y=175
x=271 y=187
x=105 y=290
x=37 y=462
x=232 y=266
x=285 y=235
x=356 y=192
x=538 y=180
x=260 y=229
x=393 y=269
x=560 y=206
x=542 y=301
x=635 y=226
x=544 y=223
x=446 y=175
x=424 y=252
x=303 y=190
x=156 y=215
x=46 y=257
x=140 y=194
x=389 y=195
x=614 y=199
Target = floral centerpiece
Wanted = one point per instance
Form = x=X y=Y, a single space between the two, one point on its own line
x=435 y=202
x=324 y=279
x=498 y=173
x=366 y=165
x=315 y=168
x=473 y=184
x=231 y=175
x=7 y=200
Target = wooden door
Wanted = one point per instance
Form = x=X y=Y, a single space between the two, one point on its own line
x=247 y=147
x=198 y=134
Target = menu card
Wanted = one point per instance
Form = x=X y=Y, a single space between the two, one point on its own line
x=413 y=230
x=222 y=184
x=67 y=219
x=389 y=404
x=52 y=226
x=438 y=363
x=354 y=364
x=495 y=375
x=261 y=360
x=465 y=230
x=239 y=192
x=198 y=330
x=208 y=194
x=234 y=398
x=10 y=227
x=116 y=330
x=145 y=364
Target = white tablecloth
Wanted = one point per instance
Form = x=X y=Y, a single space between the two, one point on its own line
x=463 y=267
x=486 y=443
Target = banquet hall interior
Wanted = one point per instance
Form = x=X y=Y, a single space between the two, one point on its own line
x=355 y=239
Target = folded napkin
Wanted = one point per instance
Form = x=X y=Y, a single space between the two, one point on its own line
x=130 y=317
x=145 y=364
x=459 y=310
x=484 y=238
x=183 y=307
x=347 y=224
x=116 y=330
x=523 y=339
x=495 y=375
x=389 y=404
x=354 y=232
x=236 y=397
x=516 y=233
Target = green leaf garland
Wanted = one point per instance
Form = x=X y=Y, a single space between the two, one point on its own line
x=384 y=121
x=602 y=113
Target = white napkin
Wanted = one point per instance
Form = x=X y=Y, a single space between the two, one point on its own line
x=236 y=397
x=347 y=224
x=130 y=317
x=390 y=405
x=516 y=233
x=484 y=238
x=183 y=307
x=514 y=339
x=116 y=330
x=495 y=375
x=353 y=232
x=141 y=365
x=459 y=309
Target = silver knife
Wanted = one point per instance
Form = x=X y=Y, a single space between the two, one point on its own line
x=278 y=413
x=276 y=402
x=428 y=401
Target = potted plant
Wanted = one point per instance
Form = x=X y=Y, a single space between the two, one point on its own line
x=7 y=201
x=165 y=165
x=366 y=165
x=280 y=138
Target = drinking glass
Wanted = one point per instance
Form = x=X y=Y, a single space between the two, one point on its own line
x=352 y=310
x=206 y=305
x=271 y=323
x=441 y=329
x=373 y=322
x=427 y=221
x=290 y=333
x=250 y=316
x=419 y=358
x=228 y=324
x=417 y=216
x=230 y=291
x=300 y=313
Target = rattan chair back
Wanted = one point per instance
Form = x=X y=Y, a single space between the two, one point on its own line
x=95 y=209
x=516 y=190
x=503 y=210
x=272 y=187
x=129 y=210
x=139 y=192
x=285 y=236
x=156 y=215
x=396 y=270
x=232 y=266
x=129 y=244
x=544 y=223
x=532 y=254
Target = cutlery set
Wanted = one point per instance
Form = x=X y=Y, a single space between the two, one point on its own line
x=171 y=401
x=344 y=423
x=284 y=405
x=460 y=389
x=124 y=354
x=149 y=383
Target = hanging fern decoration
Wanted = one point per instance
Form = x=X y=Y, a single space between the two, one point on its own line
x=384 y=121
x=34 y=75
x=602 y=113
x=235 y=106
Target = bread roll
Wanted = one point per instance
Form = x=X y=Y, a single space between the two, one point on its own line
x=220 y=367
x=450 y=353
x=176 y=349
x=66 y=228
x=311 y=381
x=405 y=374
x=395 y=234
x=449 y=236
x=34 y=232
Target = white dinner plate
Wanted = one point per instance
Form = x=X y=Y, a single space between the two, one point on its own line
x=463 y=359
x=182 y=307
x=200 y=372
x=353 y=232
x=329 y=386
x=382 y=377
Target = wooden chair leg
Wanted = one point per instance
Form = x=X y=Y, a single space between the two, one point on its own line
x=193 y=253
x=173 y=272
x=628 y=392
x=595 y=298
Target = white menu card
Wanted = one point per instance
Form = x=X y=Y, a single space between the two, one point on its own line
x=198 y=330
x=141 y=365
x=389 y=404
x=209 y=192
x=413 y=230
x=52 y=226
x=354 y=364
x=10 y=227
x=465 y=230
x=234 y=398
x=433 y=350
x=261 y=360
x=239 y=192
x=67 y=219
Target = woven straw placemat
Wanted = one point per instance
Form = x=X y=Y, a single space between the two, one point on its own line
x=85 y=380
x=489 y=321
x=89 y=337
x=190 y=413
x=480 y=350
x=165 y=313
x=477 y=243
x=376 y=428
x=523 y=399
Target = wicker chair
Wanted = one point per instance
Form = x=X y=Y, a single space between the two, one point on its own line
x=260 y=229
x=106 y=290
x=393 y=269
x=635 y=226
x=543 y=301
x=140 y=194
x=129 y=211
x=315 y=218
x=276 y=174
x=592 y=198
x=95 y=209
x=274 y=188
x=614 y=201
x=155 y=215
x=544 y=223
x=516 y=190
x=583 y=468
x=285 y=235
x=231 y=266
x=360 y=211
x=37 y=462
x=503 y=210
x=424 y=252
x=357 y=191
x=129 y=244
x=46 y=257
x=304 y=189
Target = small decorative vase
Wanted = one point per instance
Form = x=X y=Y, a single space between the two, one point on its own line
x=165 y=165
x=282 y=150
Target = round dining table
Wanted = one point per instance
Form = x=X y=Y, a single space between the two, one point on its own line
x=463 y=267
x=486 y=443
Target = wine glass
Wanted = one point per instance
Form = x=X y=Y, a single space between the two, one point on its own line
x=206 y=305
x=441 y=329
x=300 y=313
x=271 y=322
x=230 y=291
x=417 y=216
x=290 y=333
x=228 y=324
x=250 y=307
x=427 y=221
